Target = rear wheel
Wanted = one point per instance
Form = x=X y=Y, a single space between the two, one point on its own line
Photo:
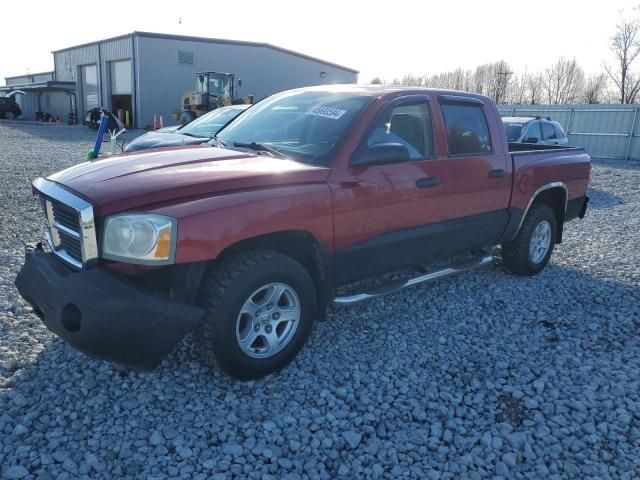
x=10 y=115
x=260 y=310
x=530 y=251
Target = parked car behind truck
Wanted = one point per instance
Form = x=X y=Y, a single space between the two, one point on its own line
x=534 y=130
x=194 y=133
x=310 y=189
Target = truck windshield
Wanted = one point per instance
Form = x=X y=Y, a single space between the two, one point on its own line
x=303 y=125
x=513 y=131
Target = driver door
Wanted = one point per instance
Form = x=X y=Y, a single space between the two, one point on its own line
x=387 y=216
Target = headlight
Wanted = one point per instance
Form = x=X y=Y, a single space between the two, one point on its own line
x=144 y=238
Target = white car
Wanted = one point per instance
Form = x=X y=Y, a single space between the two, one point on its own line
x=535 y=130
x=196 y=132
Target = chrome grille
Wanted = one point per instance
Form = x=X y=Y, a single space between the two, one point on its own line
x=71 y=227
x=66 y=216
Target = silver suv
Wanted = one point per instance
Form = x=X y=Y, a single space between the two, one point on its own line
x=539 y=130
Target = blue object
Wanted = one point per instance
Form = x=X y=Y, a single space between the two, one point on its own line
x=101 y=129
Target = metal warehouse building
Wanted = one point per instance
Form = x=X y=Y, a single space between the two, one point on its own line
x=146 y=73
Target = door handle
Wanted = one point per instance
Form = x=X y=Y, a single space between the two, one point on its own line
x=497 y=173
x=427 y=182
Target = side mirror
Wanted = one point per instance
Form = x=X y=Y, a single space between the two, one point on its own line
x=382 y=153
x=531 y=140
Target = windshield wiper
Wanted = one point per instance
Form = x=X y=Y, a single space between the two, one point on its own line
x=191 y=135
x=260 y=147
x=218 y=140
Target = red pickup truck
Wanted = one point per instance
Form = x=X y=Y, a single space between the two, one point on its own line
x=246 y=239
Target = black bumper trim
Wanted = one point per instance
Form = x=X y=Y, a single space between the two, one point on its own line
x=102 y=315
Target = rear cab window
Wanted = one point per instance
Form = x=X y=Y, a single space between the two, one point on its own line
x=467 y=126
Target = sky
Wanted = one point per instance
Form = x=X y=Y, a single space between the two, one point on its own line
x=379 y=38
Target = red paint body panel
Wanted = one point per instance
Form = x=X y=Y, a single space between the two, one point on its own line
x=221 y=197
x=173 y=175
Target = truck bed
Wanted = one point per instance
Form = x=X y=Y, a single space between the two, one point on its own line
x=530 y=148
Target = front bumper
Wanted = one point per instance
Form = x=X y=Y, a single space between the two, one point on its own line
x=102 y=315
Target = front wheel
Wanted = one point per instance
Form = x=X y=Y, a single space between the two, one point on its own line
x=260 y=310
x=10 y=115
x=529 y=252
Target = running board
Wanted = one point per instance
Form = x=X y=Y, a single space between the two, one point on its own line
x=428 y=277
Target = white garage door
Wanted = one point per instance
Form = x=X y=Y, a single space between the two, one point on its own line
x=90 y=86
x=121 y=77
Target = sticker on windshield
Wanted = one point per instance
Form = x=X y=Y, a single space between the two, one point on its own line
x=327 y=112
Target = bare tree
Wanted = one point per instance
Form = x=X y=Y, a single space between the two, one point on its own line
x=492 y=79
x=376 y=81
x=535 y=86
x=563 y=81
x=413 y=80
x=517 y=92
x=595 y=89
x=625 y=45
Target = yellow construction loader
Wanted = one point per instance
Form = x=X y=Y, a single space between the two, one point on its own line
x=213 y=90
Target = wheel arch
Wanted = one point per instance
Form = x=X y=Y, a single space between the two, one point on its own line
x=556 y=196
x=301 y=246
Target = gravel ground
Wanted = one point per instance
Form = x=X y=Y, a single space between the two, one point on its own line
x=482 y=375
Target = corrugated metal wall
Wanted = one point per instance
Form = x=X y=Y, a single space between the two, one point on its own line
x=605 y=131
x=263 y=70
x=53 y=102
x=67 y=63
x=159 y=79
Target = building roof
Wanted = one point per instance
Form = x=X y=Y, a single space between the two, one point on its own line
x=64 y=86
x=188 y=38
x=29 y=75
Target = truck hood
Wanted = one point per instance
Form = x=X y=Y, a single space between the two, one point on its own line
x=134 y=180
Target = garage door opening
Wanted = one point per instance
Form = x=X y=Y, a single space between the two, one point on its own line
x=121 y=96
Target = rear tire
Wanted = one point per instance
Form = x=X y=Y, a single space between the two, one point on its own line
x=245 y=331
x=529 y=252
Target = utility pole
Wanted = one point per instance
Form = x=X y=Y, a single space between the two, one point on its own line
x=501 y=92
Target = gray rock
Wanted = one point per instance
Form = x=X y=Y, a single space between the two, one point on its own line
x=14 y=472
x=352 y=438
x=156 y=438
x=232 y=449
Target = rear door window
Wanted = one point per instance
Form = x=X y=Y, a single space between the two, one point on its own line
x=548 y=131
x=408 y=124
x=533 y=134
x=467 y=129
x=559 y=132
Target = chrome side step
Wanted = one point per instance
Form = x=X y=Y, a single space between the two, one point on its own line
x=427 y=277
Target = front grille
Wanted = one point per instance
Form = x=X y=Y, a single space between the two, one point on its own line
x=66 y=216
x=70 y=224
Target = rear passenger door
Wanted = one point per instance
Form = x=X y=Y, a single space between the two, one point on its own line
x=478 y=175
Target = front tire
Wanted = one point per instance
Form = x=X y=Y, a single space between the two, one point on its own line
x=529 y=252
x=260 y=310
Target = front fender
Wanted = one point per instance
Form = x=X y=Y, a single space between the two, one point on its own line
x=207 y=226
